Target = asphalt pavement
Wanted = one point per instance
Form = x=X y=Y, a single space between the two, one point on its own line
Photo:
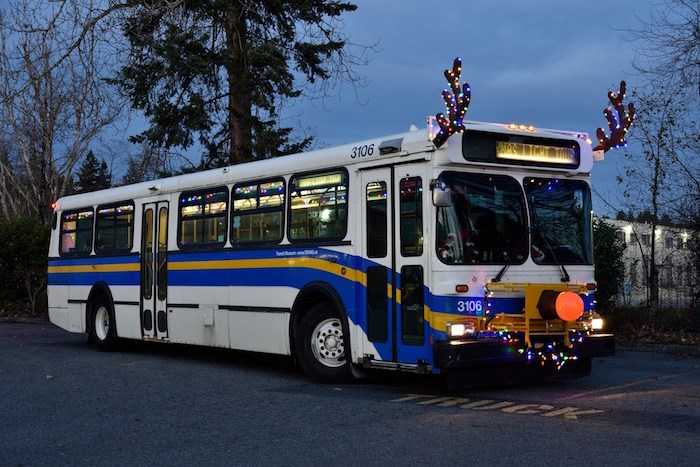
x=61 y=402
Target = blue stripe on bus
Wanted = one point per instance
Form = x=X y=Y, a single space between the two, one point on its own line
x=269 y=277
x=89 y=278
x=90 y=260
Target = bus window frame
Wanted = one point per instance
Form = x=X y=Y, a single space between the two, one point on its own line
x=115 y=251
x=282 y=210
x=76 y=254
x=291 y=189
x=517 y=182
x=219 y=245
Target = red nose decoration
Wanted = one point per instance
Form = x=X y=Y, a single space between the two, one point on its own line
x=569 y=306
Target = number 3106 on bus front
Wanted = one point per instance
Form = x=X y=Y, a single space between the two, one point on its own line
x=470 y=306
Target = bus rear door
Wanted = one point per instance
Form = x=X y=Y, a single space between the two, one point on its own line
x=154 y=271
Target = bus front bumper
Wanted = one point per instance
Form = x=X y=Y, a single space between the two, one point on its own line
x=468 y=353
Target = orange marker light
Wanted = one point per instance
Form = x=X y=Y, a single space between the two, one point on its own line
x=569 y=306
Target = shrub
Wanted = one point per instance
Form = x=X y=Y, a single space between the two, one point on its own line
x=667 y=325
x=24 y=244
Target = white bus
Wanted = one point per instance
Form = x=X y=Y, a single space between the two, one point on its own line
x=389 y=253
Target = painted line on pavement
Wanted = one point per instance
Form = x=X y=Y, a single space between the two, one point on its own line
x=622 y=386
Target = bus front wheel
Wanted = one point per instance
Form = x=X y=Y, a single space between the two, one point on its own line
x=102 y=331
x=322 y=346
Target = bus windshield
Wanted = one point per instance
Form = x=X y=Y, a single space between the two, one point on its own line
x=560 y=215
x=486 y=222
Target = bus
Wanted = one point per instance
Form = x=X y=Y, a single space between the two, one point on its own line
x=388 y=253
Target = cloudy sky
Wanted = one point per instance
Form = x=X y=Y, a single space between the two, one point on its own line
x=543 y=63
x=548 y=63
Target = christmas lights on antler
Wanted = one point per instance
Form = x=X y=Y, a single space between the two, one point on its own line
x=619 y=121
x=456 y=102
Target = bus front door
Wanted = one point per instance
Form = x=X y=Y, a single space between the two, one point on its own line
x=154 y=271
x=393 y=232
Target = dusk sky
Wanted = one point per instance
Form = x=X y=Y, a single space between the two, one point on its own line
x=543 y=63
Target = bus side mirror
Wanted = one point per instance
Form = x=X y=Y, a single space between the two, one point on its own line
x=442 y=196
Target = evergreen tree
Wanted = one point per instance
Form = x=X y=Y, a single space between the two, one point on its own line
x=666 y=220
x=647 y=217
x=134 y=173
x=217 y=72
x=92 y=175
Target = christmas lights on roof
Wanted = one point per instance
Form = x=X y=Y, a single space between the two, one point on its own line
x=619 y=121
x=456 y=103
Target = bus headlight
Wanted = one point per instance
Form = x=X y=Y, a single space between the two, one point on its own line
x=455 y=330
x=597 y=323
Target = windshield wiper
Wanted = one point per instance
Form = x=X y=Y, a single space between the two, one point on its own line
x=511 y=257
x=536 y=225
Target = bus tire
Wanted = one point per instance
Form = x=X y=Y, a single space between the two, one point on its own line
x=321 y=345
x=103 y=333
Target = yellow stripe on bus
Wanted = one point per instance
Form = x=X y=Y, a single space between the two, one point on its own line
x=312 y=263
x=127 y=267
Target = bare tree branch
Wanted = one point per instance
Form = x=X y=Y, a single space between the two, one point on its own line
x=668 y=44
x=53 y=101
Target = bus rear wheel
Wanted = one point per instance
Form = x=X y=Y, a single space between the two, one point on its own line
x=102 y=330
x=322 y=346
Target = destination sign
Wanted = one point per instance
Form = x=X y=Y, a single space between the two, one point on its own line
x=536 y=153
x=320 y=181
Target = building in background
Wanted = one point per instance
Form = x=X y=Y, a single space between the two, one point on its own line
x=674 y=261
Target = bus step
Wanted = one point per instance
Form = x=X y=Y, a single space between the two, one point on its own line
x=420 y=368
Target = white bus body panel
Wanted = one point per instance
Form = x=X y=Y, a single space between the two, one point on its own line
x=126 y=314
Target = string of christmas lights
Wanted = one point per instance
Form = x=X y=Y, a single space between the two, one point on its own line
x=554 y=354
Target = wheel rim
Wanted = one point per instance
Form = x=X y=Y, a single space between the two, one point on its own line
x=102 y=323
x=327 y=343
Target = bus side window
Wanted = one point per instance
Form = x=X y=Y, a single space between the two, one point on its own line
x=258 y=209
x=318 y=209
x=411 y=216
x=203 y=217
x=412 y=300
x=114 y=228
x=376 y=220
x=76 y=232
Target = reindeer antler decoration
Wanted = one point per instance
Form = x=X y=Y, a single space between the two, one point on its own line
x=456 y=102
x=619 y=121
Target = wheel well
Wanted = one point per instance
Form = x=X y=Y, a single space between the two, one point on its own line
x=311 y=294
x=99 y=289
